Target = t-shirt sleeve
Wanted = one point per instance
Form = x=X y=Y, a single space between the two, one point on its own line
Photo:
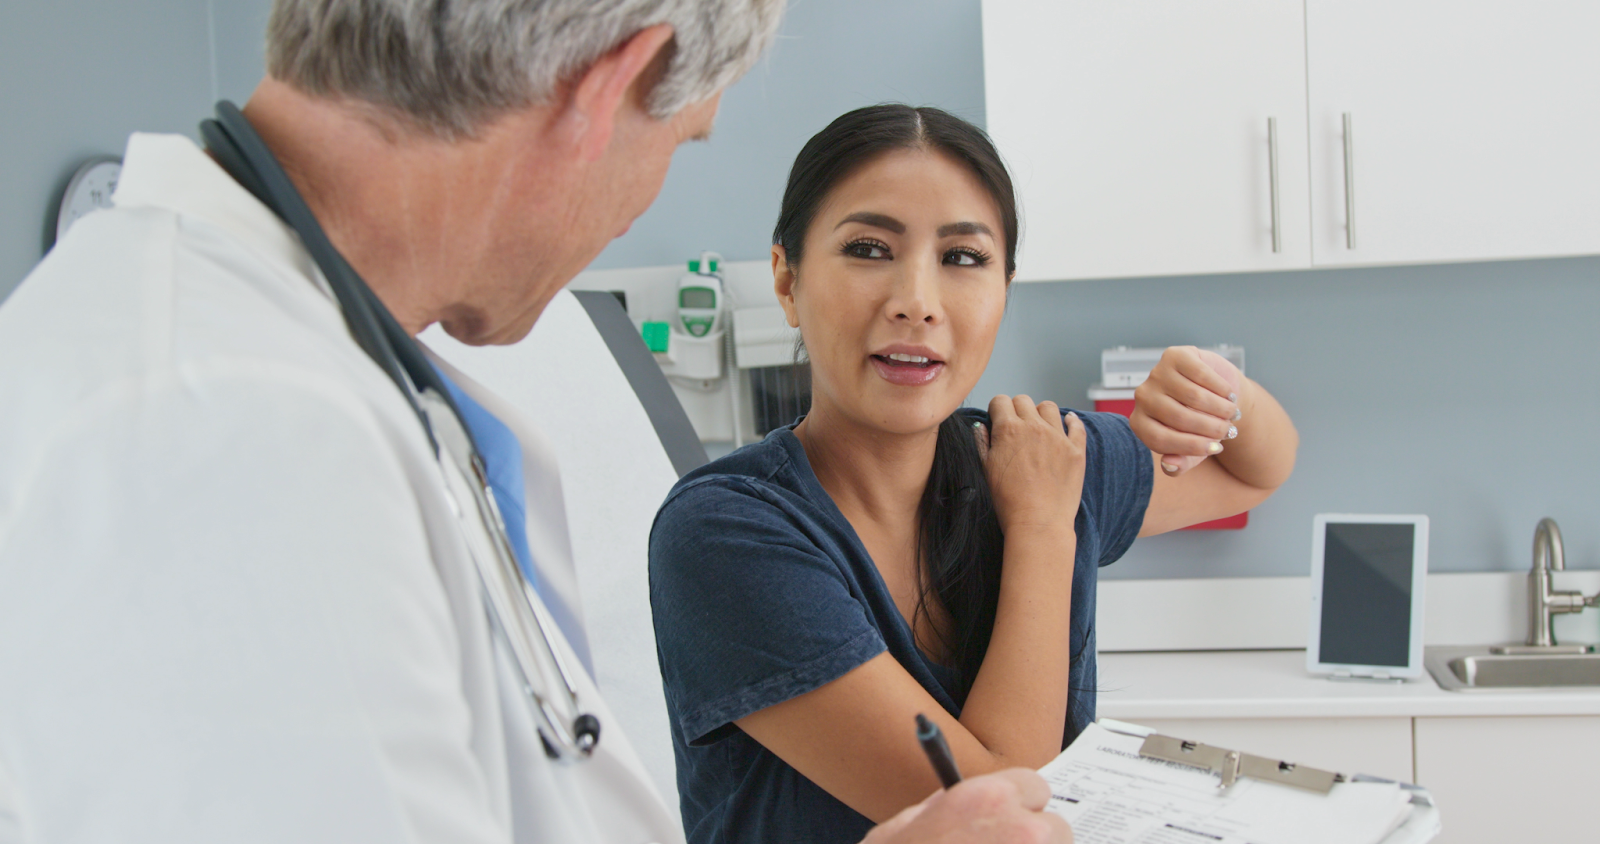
x=1118 y=475
x=749 y=608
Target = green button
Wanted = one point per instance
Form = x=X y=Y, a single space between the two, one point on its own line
x=655 y=335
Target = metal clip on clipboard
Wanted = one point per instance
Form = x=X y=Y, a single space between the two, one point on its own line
x=1230 y=765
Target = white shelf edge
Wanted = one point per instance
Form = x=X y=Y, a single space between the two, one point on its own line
x=1263 y=613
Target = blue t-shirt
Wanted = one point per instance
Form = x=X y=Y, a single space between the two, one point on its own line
x=762 y=592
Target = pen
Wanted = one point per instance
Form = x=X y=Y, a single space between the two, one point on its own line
x=938 y=751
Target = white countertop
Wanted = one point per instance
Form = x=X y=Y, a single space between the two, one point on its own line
x=1275 y=684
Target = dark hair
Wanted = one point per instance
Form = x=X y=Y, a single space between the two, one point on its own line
x=959 y=544
x=859 y=136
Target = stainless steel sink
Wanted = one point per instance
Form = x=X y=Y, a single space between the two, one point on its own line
x=1472 y=669
x=1539 y=663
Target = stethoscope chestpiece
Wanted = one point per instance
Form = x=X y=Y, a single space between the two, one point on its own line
x=586 y=729
x=585 y=738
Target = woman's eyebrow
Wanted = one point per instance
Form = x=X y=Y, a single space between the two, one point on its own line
x=881 y=221
x=949 y=229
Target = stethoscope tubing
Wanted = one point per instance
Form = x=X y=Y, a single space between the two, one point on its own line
x=241 y=151
x=245 y=156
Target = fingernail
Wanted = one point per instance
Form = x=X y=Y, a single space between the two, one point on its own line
x=1233 y=397
x=1214 y=448
x=1237 y=415
x=1233 y=431
x=977 y=426
x=1169 y=468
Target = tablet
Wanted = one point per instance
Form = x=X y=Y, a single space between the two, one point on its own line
x=1367 y=578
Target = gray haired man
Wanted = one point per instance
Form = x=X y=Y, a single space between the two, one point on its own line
x=238 y=594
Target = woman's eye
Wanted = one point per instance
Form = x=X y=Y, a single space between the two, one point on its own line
x=866 y=249
x=965 y=258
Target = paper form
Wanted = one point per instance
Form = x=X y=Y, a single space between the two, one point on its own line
x=1112 y=795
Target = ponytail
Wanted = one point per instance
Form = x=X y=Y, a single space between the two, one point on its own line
x=959 y=548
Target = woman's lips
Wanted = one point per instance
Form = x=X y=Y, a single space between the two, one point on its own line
x=907 y=374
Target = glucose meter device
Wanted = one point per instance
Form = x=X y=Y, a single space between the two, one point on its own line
x=700 y=297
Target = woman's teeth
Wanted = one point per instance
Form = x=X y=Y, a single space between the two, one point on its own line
x=907 y=370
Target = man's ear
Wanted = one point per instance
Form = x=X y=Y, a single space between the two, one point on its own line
x=597 y=97
x=783 y=284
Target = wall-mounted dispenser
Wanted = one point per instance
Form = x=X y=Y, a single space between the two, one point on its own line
x=756 y=345
x=768 y=350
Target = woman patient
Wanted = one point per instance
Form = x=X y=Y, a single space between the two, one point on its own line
x=894 y=553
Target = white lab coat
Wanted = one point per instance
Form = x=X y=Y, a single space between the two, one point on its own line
x=234 y=601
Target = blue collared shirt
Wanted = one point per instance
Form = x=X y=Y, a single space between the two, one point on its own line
x=501 y=453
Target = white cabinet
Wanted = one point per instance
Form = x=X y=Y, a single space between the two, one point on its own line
x=1511 y=779
x=1474 y=126
x=1138 y=133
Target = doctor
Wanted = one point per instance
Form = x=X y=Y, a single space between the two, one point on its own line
x=243 y=569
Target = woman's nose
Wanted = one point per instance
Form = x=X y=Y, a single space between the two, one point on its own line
x=915 y=297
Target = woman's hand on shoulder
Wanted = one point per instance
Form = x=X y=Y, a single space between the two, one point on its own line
x=1034 y=464
x=1186 y=409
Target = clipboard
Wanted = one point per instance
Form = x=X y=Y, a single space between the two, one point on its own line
x=1230 y=765
x=1121 y=783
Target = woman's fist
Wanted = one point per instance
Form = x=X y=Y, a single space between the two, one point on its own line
x=1187 y=409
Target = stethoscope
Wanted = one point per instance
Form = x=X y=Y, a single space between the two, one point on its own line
x=569 y=734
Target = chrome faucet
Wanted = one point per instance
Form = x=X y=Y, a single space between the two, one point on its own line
x=1544 y=600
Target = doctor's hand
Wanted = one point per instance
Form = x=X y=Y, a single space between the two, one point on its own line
x=1186 y=410
x=1034 y=464
x=1006 y=807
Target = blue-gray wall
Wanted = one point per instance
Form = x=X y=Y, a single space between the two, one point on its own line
x=76 y=76
x=1466 y=392
x=830 y=56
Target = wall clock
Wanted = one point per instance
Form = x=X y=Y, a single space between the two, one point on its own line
x=89 y=189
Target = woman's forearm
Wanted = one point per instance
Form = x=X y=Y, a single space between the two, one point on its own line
x=1263 y=453
x=1018 y=702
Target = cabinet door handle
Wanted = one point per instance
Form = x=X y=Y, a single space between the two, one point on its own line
x=1349 y=186
x=1272 y=166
